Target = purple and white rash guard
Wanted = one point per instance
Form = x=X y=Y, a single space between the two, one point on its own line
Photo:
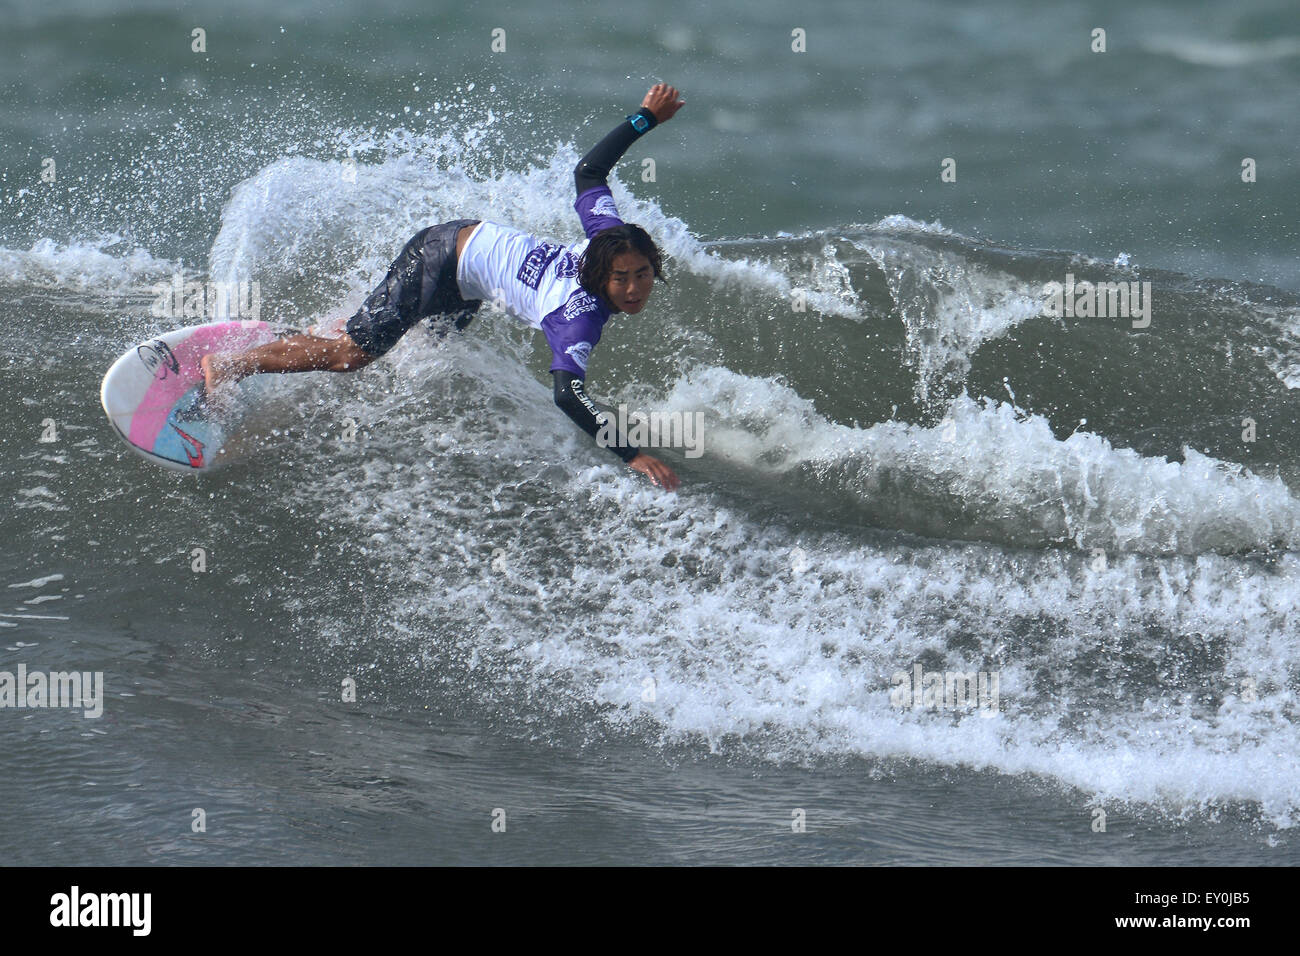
x=537 y=281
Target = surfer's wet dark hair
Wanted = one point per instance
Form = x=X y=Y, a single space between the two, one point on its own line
x=597 y=262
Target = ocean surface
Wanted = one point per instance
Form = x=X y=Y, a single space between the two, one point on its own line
x=908 y=470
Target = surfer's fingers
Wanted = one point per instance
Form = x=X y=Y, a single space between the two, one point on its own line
x=662 y=475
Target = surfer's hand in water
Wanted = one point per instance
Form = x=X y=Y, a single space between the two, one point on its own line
x=663 y=100
x=655 y=470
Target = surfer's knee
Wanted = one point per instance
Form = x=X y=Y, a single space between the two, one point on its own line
x=348 y=356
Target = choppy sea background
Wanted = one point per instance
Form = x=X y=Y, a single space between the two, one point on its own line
x=920 y=468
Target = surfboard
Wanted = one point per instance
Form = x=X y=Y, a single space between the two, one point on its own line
x=154 y=397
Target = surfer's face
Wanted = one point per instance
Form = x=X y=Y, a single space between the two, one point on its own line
x=630 y=282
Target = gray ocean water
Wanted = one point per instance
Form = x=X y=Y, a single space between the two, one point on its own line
x=905 y=464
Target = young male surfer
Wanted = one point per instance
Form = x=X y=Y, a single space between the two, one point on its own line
x=446 y=271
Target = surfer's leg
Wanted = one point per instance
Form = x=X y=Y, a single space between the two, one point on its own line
x=420 y=282
x=297 y=353
x=455 y=319
x=440 y=297
x=376 y=327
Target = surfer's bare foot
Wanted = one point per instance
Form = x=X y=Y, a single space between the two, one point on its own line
x=218 y=370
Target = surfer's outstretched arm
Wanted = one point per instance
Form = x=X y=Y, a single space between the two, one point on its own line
x=659 y=105
x=622 y=280
x=571 y=397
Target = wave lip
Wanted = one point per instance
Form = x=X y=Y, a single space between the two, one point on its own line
x=991 y=472
x=91 y=266
x=1224 y=53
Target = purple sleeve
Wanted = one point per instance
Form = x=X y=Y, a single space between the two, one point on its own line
x=597 y=211
x=572 y=332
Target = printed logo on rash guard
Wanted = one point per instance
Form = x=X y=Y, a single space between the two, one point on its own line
x=578 y=303
x=605 y=207
x=567 y=267
x=580 y=353
x=535 y=263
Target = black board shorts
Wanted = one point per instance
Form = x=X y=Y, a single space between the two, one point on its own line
x=420 y=283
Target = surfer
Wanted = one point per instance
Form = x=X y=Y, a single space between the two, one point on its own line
x=446 y=271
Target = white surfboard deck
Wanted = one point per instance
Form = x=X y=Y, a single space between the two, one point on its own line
x=154 y=398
